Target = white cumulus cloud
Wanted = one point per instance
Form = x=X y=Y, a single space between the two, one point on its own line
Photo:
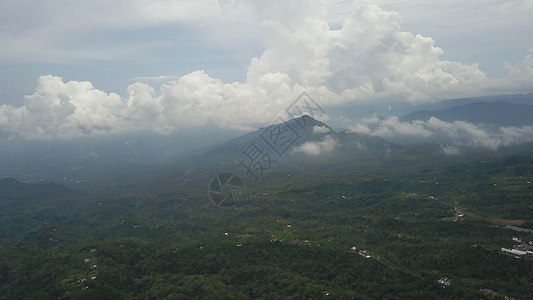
x=367 y=58
x=457 y=133
x=326 y=145
x=321 y=129
x=450 y=150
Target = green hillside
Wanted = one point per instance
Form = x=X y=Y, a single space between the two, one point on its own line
x=386 y=229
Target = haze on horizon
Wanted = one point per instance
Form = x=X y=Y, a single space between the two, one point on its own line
x=73 y=71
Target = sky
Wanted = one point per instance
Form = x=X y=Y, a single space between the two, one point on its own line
x=93 y=68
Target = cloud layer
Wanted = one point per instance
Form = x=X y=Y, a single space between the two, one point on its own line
x=457 y=133
x=368 y=58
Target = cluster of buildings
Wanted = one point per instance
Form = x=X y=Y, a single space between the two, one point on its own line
x=364 y=253
x=444 y=282
x=520 y=247
x=83 y=282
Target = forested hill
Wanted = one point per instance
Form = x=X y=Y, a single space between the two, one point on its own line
x=402 y=228
x=23 y=207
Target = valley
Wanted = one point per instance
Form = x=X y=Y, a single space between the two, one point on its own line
x=298 y=232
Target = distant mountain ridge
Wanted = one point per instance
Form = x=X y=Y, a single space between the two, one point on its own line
x=305 y=138
x=10 y=187
x=499 y=113
x=301 y=125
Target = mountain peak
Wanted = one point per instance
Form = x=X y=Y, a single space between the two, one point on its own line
x=305 y=122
